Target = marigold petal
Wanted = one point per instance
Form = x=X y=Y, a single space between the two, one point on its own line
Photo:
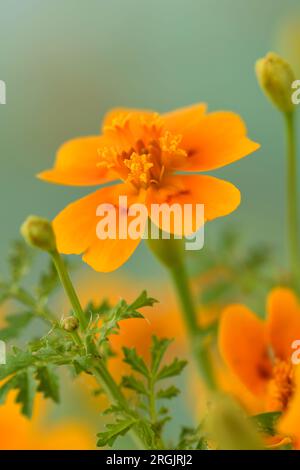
x=218 y=197
x=75 y=225
x=182 y=120
x=77 y=163
x=243 y=346
x=289 y=423
x=276 y=442
x=218 y=139
x=283 y=321
x=108 y=255
x=75 y=228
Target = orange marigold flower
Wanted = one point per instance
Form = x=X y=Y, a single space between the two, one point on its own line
x=145 y=150
x=260 y=352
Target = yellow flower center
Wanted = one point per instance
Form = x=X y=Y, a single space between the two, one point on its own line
x=139 y=168
x=281 y=385
x=145 y=160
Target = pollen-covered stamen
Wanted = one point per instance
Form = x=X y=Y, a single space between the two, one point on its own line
x=281 y=385
x=144 y=161
x=173 y=156
x=120 y=130
x=110 y=158
x=139 y=168
x=120 y=123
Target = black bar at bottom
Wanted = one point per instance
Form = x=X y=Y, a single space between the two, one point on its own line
x=149 y=459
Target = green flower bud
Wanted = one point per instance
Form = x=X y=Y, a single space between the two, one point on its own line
x=228 y=426
x=39 y=233
x=275 y=77
x=70 y=324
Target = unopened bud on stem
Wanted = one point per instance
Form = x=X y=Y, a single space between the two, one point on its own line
x=38 y=232
x=70 y=324
x=275 y=77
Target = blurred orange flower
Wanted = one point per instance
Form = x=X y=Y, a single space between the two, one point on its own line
x=144 y=150
x=259 y=354
x=20 y=433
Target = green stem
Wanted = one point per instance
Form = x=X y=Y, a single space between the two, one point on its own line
x=106 y=381
x=153 y=413
x=152 y=407
x=179 y=277
x=99 y=369
x=292 y=198
x=112 y=389
x=171 y=253
x=197 y=336
x=69 y=289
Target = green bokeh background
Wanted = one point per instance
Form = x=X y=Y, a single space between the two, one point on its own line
x=66 y=62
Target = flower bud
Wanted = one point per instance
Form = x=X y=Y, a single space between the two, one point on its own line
x=39 y=233
x=275 y=77
x=70 y=324
x=228 y=426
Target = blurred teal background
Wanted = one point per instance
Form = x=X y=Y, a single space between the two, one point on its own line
x=66 y=62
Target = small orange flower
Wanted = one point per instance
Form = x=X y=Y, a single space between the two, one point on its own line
x=259 y=353
x=145 y=150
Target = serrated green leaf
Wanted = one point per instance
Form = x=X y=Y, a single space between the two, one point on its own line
x=168 y=393
x=146 y=433
x=20 y=259
x=130 y=382
x=143 y=301
x=48 y=382
x=171 y=370
x=15 y=324
x=191 y=438
x=93 y=310
x=266 y=422
x=81 y=364
x=26 y=386
x=202 y=444
x=6 y=388
x=136 y=362
x=112 y=318
x=16 y=362
x=113 y=409
x=119 y=428
x=159 y=425
x=158 y=349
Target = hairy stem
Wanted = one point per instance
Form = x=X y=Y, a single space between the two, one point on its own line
x=69 y=289
x=99 y=369
x=197 y=337
x=292 y=198
x=153 y=412
x=171 y=253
